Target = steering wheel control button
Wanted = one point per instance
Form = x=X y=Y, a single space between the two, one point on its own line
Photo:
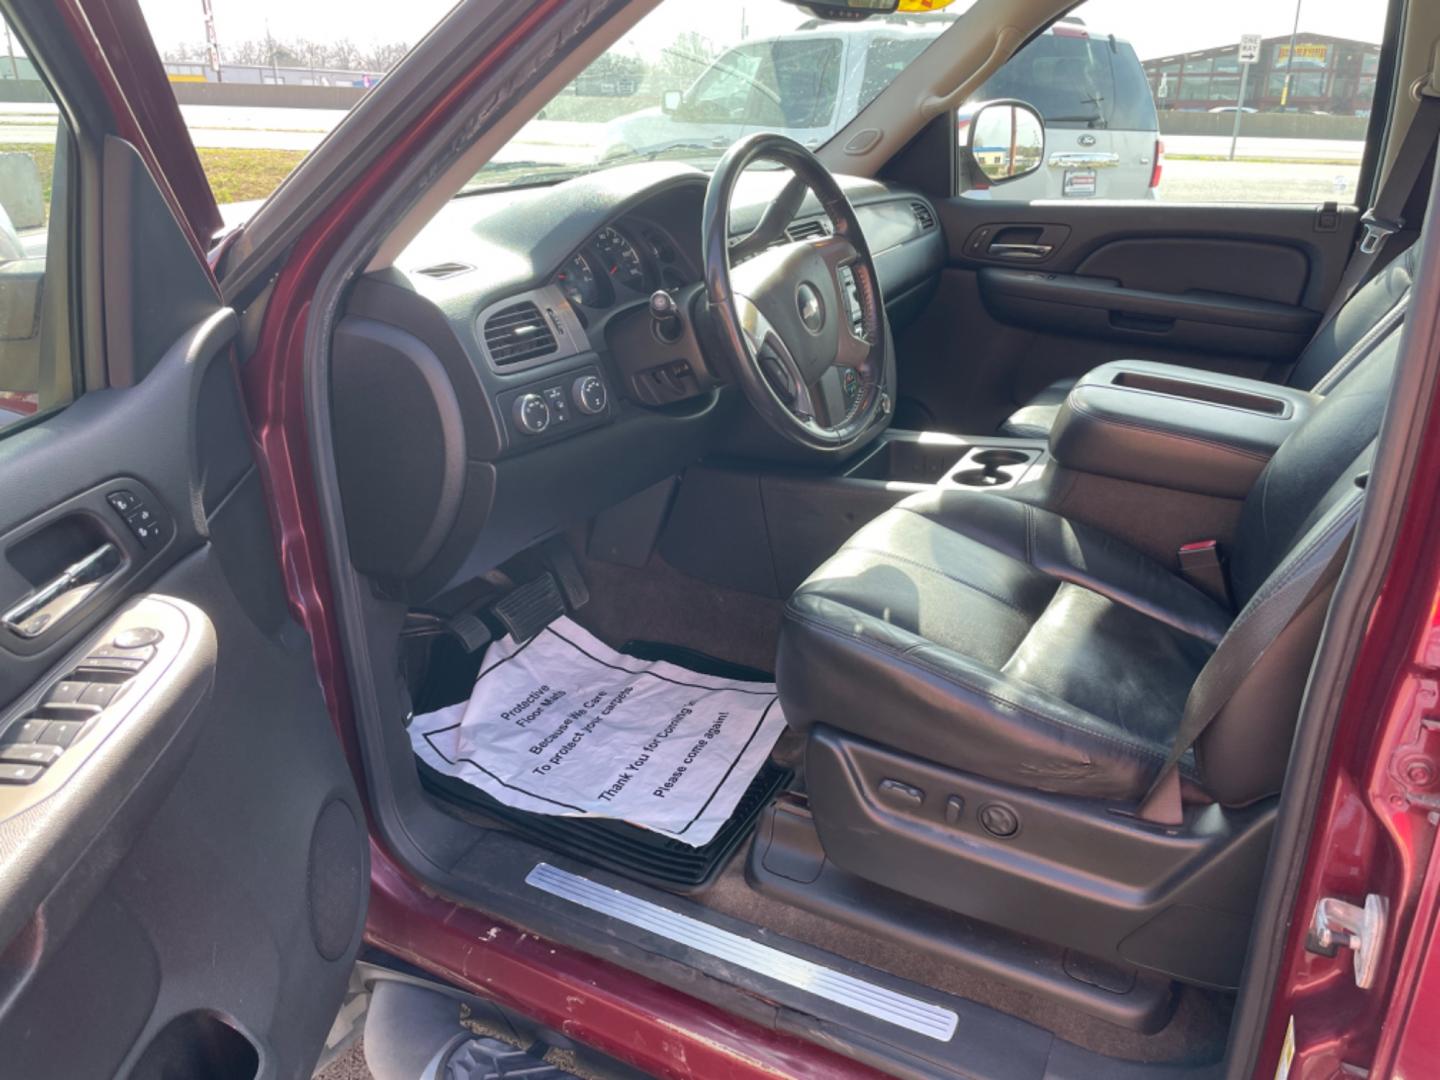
x=590 y=394
x=16 y=773
x=137 y=637
x=122 y=501
x=999 y=820
x=41 y=754
x=532 y=414
x=898 y=793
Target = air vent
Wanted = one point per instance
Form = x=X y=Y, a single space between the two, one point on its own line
x=446 y=269
x=518 y=333
x=804 y=230
x=924 y=217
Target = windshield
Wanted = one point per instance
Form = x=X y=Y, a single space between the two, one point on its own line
x=669 y=90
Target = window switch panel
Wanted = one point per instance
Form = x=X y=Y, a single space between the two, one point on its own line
x=31 y=753
x=18 y=773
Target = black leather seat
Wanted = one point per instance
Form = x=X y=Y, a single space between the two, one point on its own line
x=1345 y=339
x=1001 y=640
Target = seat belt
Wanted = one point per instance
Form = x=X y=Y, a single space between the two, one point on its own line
x=1239 y=652
x=1385 y=217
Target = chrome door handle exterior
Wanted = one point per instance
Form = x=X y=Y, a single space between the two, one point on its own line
x=38 y=611
x=1020 y=251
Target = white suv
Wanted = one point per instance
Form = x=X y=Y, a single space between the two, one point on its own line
x=1101 y=129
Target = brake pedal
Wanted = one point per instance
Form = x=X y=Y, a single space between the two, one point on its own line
x=561 y=561
x=529 y=608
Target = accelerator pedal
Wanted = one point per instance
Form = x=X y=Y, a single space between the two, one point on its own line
x=527 y=609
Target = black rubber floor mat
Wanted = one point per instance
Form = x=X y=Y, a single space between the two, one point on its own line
x=617 y=846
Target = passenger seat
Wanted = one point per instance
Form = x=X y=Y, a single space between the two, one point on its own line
x=1337 y=347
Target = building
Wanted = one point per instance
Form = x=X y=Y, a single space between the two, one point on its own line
x=1327 y=75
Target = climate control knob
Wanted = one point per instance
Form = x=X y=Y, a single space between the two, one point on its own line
x=532 y=415
x=588 y=392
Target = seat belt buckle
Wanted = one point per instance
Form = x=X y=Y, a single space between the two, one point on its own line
x=1201 y=566
x=1377 y=231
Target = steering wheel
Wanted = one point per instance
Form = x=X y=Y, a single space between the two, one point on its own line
x=802 y=324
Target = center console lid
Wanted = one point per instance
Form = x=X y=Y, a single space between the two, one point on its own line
x=1175 y=427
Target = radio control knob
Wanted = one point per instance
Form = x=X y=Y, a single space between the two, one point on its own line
x=532 y=415
x=589 y=394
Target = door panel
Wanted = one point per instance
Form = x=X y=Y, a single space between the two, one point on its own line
x=1035 y=292
x=183 y=857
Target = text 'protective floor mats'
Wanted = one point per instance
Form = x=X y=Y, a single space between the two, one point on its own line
x=564 y=725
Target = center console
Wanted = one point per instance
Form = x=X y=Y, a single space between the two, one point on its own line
x=907 y=460
x=1175 y=427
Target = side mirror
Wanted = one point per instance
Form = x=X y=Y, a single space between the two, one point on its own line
x=670 y=101
x=1005 y=140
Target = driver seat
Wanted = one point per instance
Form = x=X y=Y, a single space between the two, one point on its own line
x=972 y=650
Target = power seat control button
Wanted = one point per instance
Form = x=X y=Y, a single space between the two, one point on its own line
x=999 y=820
x=532 y=414
x=899 y=793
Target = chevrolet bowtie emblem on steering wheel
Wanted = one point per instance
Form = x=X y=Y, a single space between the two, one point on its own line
x=812 y=311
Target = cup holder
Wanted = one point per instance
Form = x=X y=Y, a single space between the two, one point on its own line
x=980 y=478
x=998 y=459
x=994 y=467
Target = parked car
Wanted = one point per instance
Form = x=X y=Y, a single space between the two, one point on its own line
x=1100 y=120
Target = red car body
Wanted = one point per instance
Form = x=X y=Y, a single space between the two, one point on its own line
x=1375 y=831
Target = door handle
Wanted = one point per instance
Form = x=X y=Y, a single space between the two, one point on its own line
x=1020 y=251
x=42 y=608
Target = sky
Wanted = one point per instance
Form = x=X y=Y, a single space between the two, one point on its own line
x=1154 y=27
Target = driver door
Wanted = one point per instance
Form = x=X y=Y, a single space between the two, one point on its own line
x=183 y=854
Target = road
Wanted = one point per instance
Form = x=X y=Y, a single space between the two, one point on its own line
x=1266 y=169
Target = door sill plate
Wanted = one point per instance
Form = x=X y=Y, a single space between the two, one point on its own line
x=912 y=1014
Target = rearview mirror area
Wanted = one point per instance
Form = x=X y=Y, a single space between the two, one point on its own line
x=1004 y=140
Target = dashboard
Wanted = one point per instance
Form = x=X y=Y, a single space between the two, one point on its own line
x=504 y=379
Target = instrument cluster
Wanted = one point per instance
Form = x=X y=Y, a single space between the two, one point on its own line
x=622 y=263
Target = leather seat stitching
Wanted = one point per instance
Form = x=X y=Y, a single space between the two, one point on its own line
x=907 y=657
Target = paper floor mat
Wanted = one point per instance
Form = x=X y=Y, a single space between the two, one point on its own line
x=565 y=725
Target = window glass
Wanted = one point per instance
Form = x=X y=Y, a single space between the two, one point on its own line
x=261 y=82
x=35 y=363
x=1065 y=76
x=701 y=74
x=1142 y=75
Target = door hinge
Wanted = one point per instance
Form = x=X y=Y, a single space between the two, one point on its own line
x=1337 y=924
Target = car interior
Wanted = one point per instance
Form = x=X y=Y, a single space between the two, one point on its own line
x=1038 y=566
x=1025 y=516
